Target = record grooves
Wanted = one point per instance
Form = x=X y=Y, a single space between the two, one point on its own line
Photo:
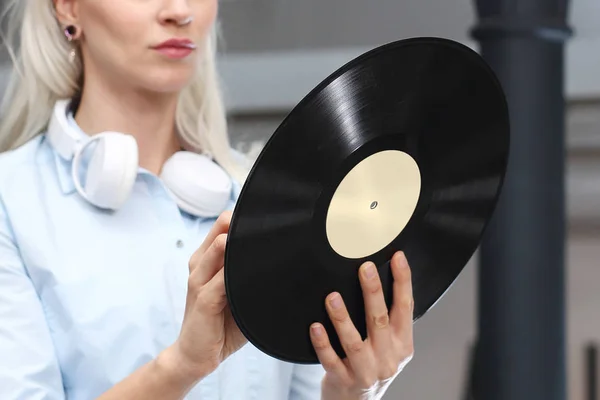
x=403 y=148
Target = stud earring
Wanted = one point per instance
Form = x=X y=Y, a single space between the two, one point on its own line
x=70 y=32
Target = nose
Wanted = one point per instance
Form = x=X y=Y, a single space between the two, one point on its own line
x=177 y=12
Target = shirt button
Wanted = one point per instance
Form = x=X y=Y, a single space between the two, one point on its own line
x=180 y=243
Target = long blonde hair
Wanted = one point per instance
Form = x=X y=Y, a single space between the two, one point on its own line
x=43 y=73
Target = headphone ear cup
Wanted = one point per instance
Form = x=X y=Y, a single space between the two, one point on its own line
x=199 y=186
x=112 y=170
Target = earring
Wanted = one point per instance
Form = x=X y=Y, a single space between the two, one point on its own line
x=72 y=55
x=70 y=32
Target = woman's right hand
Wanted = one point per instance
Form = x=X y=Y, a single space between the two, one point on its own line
x=209 y=333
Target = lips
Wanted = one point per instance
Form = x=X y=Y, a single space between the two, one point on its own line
x=177 y=44
x=176 y=48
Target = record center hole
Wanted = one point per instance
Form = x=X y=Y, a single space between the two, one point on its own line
x=374 y=205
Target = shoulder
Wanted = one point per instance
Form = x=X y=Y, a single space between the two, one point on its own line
x=28 y=180
x=241 y=158
x=244 y=162
x=17 y=164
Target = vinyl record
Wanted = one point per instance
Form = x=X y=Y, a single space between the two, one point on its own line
x=403 y=148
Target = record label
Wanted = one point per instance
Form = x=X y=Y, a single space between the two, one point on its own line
x=373 y=204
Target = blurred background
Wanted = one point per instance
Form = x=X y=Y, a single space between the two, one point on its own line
x=275 y=51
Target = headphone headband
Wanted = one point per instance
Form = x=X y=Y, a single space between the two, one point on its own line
x=62 y=138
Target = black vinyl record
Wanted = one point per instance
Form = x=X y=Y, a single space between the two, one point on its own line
x=415 y=132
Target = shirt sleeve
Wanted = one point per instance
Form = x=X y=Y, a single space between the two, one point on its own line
x=306 y=382
x=28 y=365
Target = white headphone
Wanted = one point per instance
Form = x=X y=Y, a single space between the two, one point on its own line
x=198 y=185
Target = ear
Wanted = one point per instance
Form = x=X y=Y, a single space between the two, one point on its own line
x=67 y=11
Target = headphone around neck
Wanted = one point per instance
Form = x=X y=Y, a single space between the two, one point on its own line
x=199 y=186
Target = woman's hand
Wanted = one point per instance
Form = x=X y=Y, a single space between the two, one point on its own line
x=371 y=365
x=209 y=333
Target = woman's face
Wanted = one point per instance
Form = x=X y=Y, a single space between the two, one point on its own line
x=127 y=40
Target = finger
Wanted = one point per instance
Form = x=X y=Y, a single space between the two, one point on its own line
x=327 y=356
x=212 y=299
x=210 y=262
x=359 y=354
x=220 y=226
x=376 y=311
x=401 y=315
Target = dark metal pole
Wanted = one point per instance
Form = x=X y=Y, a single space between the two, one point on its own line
x=591 y=367
x=521 y=343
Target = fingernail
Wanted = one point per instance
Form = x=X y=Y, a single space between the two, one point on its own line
x=369 y=270
x=402 y=261
x=336 y=302
x=316 y=329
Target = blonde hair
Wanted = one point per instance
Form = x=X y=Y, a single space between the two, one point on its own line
x=43 y=73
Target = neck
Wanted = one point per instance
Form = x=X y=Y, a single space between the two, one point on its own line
x=149 y=117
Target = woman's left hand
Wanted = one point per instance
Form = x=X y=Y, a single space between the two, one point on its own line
x=371 y=365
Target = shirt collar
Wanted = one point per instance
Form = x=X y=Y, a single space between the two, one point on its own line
x=64 y=166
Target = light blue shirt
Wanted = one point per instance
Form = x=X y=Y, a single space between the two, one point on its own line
x=88 y=296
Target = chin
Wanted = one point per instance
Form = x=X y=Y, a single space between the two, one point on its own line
x=169 y=79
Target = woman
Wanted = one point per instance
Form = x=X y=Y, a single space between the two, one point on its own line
x=96 y=297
